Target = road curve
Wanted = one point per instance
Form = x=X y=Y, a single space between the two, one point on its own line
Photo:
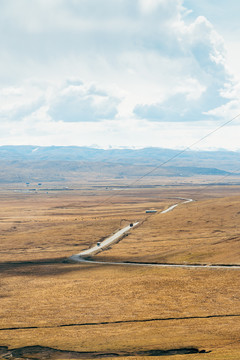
x=82 y=256
x=113 y=238
x=175 y=205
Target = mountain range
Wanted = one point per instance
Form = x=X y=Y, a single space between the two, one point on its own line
x=62 y=163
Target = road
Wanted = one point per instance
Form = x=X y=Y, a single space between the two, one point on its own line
x=81 y=257
x=183 y=266
x=113 y=238
x=175 y=205
x=104 y=244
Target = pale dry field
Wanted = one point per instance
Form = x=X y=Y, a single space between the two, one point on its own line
x=40 y=226
x=201 y=232
x=120 y=309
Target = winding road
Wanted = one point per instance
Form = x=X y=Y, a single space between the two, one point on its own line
x=173 y=206
x=83 y=257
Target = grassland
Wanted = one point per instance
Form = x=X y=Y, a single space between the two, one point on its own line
x=120 y=309
x=201 y=232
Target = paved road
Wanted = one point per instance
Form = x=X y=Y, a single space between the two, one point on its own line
x=183 y=266
x=113 y=238
x=173 y=206
x=104 y=244
x=81 y=257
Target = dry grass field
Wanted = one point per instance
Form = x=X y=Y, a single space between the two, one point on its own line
x=94 y=310
x=201 y=232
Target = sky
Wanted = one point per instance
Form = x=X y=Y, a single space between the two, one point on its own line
x=122 y=73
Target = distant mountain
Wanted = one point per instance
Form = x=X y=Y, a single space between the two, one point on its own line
x=227 y=159
x=64 y=163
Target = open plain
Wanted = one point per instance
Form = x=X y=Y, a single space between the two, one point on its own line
x=52 y=308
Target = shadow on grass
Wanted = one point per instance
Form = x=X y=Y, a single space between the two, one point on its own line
x=42 y=267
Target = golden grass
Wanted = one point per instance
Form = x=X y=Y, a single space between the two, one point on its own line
x=204 y=334
x=48 y=296
x=205 y=232
x=48 y=293
x=43 y=295
x=42 y=226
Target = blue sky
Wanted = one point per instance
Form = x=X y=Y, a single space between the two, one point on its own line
x=122 y=73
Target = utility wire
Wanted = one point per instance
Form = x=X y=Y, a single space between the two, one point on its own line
x=168 y=160
x=204 y=187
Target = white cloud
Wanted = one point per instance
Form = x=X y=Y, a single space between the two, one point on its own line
x=72 y=101
x=16 y=103
x=202 y=49
x=138 y=61
x=77 y=103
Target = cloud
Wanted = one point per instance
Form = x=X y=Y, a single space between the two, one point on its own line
x=78 y=103
x=231 y=108
x=138 y=61
x=203 y=50
x=17 y=103
x=72 y=101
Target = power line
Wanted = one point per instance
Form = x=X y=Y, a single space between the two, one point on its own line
x=204 y=187
x=168 y=160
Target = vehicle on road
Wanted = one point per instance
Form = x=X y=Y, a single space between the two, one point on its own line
x=98 y=243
